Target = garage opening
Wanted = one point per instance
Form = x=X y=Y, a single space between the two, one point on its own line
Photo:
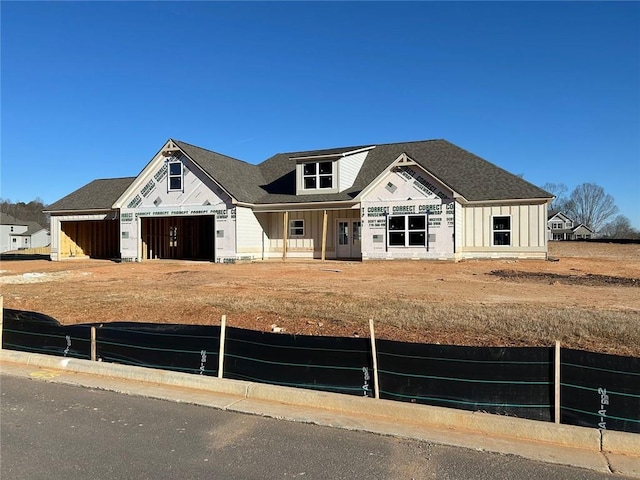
x=187 y=238
x=90 y=238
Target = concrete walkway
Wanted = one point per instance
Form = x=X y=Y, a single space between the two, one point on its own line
x=605 y=451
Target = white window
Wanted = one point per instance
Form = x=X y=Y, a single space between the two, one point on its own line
x=296 y=228
x=501 y=230
x=317 y=175
x=175 y=176
x=556 y=225
x=407 y=230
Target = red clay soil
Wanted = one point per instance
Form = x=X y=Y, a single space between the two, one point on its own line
x=322 y=298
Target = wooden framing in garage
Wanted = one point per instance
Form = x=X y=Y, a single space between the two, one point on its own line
x=89 y=238
x=190 y=237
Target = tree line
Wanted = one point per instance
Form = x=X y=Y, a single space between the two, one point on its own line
x=26 y=212
x=590 y=205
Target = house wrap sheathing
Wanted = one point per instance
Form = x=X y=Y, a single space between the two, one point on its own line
x=415 y=200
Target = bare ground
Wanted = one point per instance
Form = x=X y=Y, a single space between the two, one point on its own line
x=588 y=297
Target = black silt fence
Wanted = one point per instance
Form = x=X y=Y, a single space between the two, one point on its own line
x=597 y=390
x=334 y=364
x=38 y=333
x=507 y=381
x=600 y=391
x=181 y=348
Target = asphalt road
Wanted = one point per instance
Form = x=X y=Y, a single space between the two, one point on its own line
x=55 y=431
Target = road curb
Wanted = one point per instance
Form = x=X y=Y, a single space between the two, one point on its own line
x=621 y=443
x=474 y=422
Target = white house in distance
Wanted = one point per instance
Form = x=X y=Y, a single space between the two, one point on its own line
x=561 y=227
x=415 y=200
x=19 y=234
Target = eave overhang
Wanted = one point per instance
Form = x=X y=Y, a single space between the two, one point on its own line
x=83 y=211
x=307 y=206
x=508 y=201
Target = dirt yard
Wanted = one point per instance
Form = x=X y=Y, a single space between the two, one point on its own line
x=587 y=296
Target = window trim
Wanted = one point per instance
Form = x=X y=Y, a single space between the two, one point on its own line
x=171 y=176
x=407 y=231
x=317 y=178
x=495 y=231
x=293 y=227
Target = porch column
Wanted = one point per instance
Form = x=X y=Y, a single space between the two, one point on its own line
x=324 y=233
x=285 y=229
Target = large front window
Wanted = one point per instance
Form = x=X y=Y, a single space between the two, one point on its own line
x=318 y=175
x=501 y=230
x=407 y=230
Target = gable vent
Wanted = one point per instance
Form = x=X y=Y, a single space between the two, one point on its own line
x=170 y=150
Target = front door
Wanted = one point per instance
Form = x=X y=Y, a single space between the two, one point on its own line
x=348 y=244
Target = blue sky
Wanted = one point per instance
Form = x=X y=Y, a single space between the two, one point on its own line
x=547 y=90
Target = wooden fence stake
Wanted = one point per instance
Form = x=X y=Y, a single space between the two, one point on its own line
x=285 y=226
x=223 y=329
x=375 y=359
x=324 y=234
x=93 y=344
x=556 y=406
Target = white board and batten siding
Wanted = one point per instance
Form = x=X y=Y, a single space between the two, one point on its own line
x=528 y=231
x=349 y=167
x=150 y=197
x=308 y=245
x=250 y=235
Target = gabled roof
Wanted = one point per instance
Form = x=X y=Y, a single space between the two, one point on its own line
x=240 y=179
x=274 y=180
x=582 y=225
x=557 y=213
x=97 y=195
x=32 y=227
x=463 y=172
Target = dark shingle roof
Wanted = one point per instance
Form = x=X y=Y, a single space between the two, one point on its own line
x=6 y=219
x=97 y=195
x=33 y=227
x=274 y=180
x=465 y=173
x=241 y=179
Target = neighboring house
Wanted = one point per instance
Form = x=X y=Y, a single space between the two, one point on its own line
x=415 y=200
x=19 y=234
x=562 y=227
x=582 y=232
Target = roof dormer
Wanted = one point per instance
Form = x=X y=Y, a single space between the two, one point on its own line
x=317 y=175
x=328 y=173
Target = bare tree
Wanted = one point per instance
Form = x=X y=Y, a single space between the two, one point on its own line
x=559 y=190
x=620 y=227
x=590 y=205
